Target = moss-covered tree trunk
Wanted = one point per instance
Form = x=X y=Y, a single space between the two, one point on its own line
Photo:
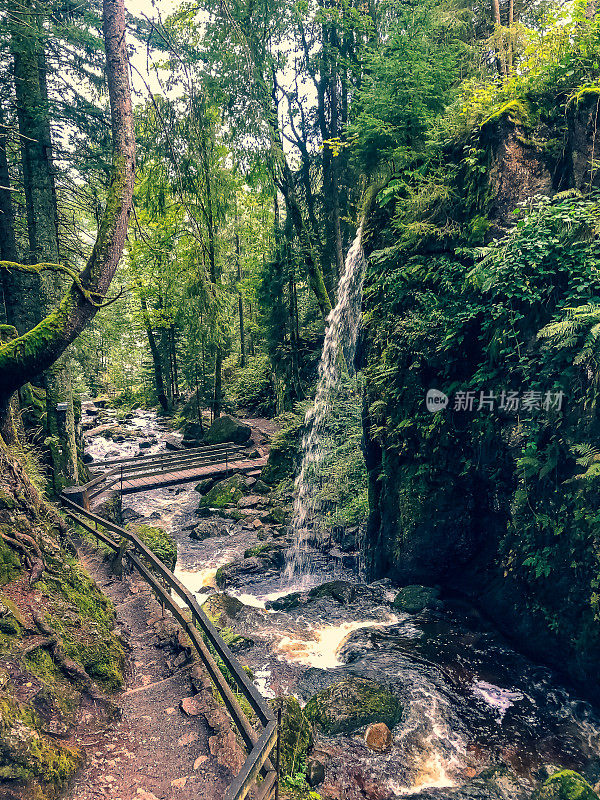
x=36 y=350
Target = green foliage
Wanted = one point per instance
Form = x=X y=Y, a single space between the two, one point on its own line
x=518 y=315
x=158 y=540
x=252 y=387
x=409 y=81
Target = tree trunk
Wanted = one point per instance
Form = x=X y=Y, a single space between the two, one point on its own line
x=33 y=352
x=240 y=302
x=500 y=60
x=8 y=244
x=156 y=361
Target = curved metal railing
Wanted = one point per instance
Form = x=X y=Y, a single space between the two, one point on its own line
x=258 y=771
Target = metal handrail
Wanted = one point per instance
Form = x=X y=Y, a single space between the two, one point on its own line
x=260 y=746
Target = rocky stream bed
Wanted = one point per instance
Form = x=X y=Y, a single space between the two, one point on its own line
x=469 y=717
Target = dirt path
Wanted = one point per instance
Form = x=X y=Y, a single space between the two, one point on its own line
x=155 y=750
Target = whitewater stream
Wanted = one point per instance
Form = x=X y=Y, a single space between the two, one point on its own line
x=470 y=701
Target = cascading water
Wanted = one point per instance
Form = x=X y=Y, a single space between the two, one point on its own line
x=339 y=346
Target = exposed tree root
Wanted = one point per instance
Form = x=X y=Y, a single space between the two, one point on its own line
x=74 y=671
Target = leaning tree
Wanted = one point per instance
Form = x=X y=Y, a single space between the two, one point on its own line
x=24 y=357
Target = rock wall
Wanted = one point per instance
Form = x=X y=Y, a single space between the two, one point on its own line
x=434 y=522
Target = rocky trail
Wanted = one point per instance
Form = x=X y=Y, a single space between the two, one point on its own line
x=161 y=745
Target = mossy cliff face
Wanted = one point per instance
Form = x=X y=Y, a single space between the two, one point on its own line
x=57 y=645
x=497 y=502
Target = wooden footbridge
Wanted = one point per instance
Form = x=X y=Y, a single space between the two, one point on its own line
x=140 y=473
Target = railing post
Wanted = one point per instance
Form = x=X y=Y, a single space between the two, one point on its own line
x=226 y=463
x=278 y=751
x=121 y=480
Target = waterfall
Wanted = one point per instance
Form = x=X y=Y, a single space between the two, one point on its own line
x=339 y=347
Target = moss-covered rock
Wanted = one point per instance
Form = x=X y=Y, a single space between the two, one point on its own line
x=221 y=609
x=227 y=491
x=284 y=451
x=414 y=599
x=278 y=515
x=26 y=755
x=295 y=737
x=565 y=785
x=227 y=429
x=158 y=540
x=352 y=703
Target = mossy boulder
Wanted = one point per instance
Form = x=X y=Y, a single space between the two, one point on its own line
x=565 y=785
x=224 y=492
x=221 y=609
x=352 y=703
x=278 y=515
x=26 y=755
x=414 y=599
x=227 y=429
x=295 y=737
x=158 y=540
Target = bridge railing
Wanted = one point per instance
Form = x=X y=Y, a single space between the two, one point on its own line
x=258 y=772
x=118 y=471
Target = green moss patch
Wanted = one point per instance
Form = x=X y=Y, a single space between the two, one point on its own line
x=565 y=785
x=162 y=544
x=228 y=491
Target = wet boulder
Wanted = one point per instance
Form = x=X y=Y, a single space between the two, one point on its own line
x=223 y=493
x=352 y=703
x=285 y=603
x=205 y=485
x=565 y=785
x=378 y=737
x=238 y=571
x=414 y=599
x=273 y=554
x=227 y=429
x=208 y=528
x=342 y=591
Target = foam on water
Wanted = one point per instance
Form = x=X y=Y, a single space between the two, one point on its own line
x=320 y=645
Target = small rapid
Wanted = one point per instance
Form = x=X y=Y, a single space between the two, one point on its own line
x=338 y=348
